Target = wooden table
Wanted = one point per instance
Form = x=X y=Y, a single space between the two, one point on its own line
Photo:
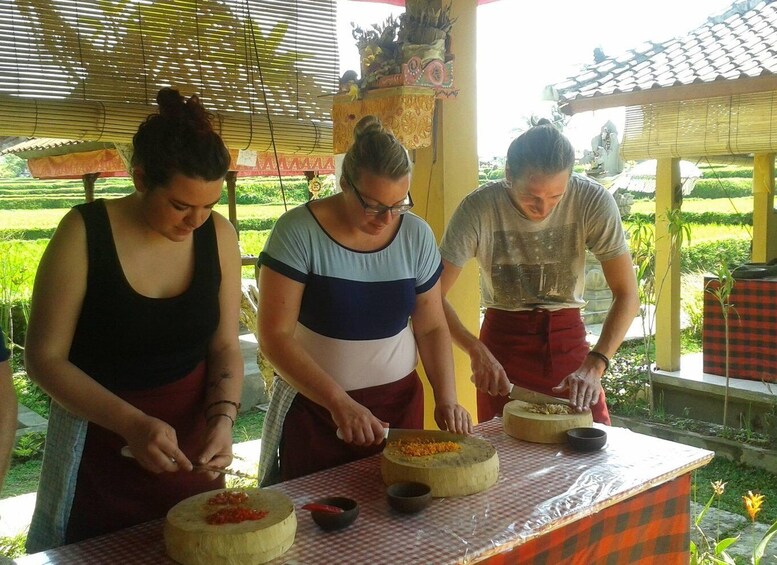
x=628 y=503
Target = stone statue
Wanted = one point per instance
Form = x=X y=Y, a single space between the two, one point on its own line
x=604 y=156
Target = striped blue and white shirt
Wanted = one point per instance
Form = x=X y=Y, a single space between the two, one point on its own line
x=354 y=316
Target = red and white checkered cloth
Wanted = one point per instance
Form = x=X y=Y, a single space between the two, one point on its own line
x=541 y=488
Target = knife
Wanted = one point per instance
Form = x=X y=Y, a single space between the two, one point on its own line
x=397 y=434
x=520 y=393
x=125 y=452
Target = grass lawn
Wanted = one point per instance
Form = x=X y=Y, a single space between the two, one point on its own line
x=48 y=218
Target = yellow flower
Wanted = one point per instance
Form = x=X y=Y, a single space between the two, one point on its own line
x=719 y=487
x=753 y=504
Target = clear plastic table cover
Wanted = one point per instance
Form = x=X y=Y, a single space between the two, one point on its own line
x=541 y=487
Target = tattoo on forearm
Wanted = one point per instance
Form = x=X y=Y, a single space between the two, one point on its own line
x=222 y=376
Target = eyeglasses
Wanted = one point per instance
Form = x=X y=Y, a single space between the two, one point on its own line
x=380 y=209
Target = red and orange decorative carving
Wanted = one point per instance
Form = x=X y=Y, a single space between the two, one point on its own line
x=435 y=74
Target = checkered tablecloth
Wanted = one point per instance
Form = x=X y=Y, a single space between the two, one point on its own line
x=541 y=489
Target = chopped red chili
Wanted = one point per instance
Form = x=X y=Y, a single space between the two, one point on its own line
x=235 y=515
x=233 y=498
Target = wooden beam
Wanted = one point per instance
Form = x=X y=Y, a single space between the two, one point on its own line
x=231 y=180
x=670 y=94
x=764 y=219
x=667 y=267
x=88 y=179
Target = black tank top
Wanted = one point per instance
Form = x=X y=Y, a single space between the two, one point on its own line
x=126 y=341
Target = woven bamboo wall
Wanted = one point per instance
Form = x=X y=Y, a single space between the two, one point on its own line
x=726 y=125
x=97 y=121
x=91 y=69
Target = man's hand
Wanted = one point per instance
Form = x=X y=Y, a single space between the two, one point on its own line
x=487 y=373
x=584 y=385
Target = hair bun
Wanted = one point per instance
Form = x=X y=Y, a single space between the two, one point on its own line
x=368 y=125
x=544 y=122
x=171 y=103
x=173 y=106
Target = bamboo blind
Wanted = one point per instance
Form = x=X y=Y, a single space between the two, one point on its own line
x=90 y=69
x=725 y=125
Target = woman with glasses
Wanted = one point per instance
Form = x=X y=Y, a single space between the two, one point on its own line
x=341 y=279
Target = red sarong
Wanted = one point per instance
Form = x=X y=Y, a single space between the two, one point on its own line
x=537 y=349
x=309 y=442
x=114 y=492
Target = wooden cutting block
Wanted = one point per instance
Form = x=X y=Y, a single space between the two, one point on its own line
x=541 y=428
x=471 y=469
x=190 y=540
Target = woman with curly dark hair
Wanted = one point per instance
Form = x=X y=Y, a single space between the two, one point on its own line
x=133 y=333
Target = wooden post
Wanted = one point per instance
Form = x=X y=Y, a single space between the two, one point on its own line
x=668 y=197
x=309 y=176
x=231 y=180
x=764 y=219
x=88 y=180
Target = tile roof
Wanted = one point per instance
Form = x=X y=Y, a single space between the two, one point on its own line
x=739 y=43
x=38 y=146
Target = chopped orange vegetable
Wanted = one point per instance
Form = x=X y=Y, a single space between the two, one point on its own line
x=423 y=448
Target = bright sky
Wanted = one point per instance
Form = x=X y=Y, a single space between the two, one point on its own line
x=524 y=46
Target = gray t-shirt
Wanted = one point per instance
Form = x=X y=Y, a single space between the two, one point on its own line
x=526 y=264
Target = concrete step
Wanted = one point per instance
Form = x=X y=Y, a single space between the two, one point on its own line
x=28 y=421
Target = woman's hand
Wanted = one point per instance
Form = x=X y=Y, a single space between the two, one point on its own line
x=217 y=445
x=453 y=417
x=154 y=445
x=357 y=424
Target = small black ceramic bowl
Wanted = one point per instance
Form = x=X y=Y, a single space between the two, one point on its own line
x=328 y=521
x=586 y=439
x=409 y=497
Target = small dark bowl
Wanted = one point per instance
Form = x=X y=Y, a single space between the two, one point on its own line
x=586 y=439
x=409 y=497
x=328 y=521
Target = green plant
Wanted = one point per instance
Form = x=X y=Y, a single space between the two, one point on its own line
x=710 y=551
x=692 y=293
x=30 y=394
x=700 y=256
x=643 y=250
x=15 y=291
x=13 y=547
x=730 y=187
x=29 y=446
x=248 y=425
x=13 y=166
x=378 y=49
x=707 y=217
x=722 y=293
x=626 y=383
